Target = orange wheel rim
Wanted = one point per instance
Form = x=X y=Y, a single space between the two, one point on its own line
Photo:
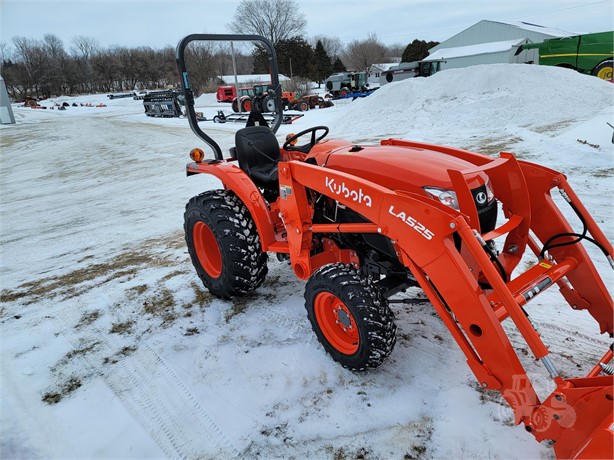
x=336 y=323
x=248 y=106
x=207 y=249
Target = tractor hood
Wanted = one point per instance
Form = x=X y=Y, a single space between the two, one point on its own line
x=396 y=167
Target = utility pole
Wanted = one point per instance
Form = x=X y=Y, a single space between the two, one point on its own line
x=234 y=70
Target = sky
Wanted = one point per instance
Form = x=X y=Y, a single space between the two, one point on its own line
x=160 y=23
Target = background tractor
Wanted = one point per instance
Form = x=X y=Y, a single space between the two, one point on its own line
x=260 y=97
x=344 y=85
x=361 y=223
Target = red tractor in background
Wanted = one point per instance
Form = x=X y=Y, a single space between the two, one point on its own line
x=256 y=96
x=361 y=223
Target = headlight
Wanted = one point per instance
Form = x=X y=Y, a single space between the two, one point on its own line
x=447 y=197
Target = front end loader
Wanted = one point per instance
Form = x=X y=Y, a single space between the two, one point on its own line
x=361 y=223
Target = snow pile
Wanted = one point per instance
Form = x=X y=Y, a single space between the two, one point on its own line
x=477 y=99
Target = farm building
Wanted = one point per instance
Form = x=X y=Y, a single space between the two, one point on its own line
x=489 y=42
x=247 y=79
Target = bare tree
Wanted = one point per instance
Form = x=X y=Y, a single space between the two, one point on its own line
x=55 y=63
x=84 y=47
x=83 y=50
x=395 y=50
x=360 y=55
x=200 y=65
x=31 y=58
x=5 y=52
x=276 y=20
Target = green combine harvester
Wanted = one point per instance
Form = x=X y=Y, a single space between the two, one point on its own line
x=589 y=53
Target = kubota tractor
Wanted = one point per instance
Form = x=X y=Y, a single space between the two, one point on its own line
x=360 y=223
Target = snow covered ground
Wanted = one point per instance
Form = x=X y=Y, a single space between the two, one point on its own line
x=110 y=347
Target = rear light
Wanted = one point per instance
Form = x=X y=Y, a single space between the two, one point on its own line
x=197 y=155
x=447 y=197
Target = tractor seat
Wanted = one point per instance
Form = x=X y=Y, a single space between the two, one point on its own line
x=257 y=150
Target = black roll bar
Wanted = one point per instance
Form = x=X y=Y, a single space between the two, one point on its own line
x=189 y=94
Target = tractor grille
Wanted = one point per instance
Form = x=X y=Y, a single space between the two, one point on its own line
x=487 y=210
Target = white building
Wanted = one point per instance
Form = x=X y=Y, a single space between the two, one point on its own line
x=489 y=42
x=377 y=70
x=245 y=79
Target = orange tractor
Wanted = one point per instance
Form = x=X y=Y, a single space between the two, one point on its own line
x=361 y=223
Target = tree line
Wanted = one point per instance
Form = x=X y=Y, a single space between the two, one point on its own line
x=45 y=68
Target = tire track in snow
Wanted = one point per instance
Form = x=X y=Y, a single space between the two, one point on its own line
x=574 y=352
x=175 y=420
x=177 y=414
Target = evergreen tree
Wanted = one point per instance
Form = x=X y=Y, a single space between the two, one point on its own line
x=417 y=50
x=323 y=66
x=295 y=57
x=338 y=66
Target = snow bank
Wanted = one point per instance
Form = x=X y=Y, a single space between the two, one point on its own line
x=477 y=99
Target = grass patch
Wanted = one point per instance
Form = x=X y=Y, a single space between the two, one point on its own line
x=88 y=318
x=122 y=328
x=124 y=265
x=66 y=388
x=162 y=305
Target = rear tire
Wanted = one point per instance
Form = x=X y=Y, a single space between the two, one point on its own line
x=224 y=244
x=604 y=70
x=350 y=317
x=268 y=105
x=235 y=105
x=246 y=104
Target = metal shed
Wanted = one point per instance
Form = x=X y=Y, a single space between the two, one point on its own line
x=483 y=53
x=489 y=42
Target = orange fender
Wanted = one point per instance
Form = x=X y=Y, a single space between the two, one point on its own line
x=235 y=179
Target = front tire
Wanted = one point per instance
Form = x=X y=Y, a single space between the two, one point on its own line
x=224 y=244
x=350 y=317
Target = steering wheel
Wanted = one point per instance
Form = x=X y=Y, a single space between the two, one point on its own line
x=306 y=147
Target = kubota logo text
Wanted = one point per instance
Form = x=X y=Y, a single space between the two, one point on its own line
x=413 y=223
x=355 y=195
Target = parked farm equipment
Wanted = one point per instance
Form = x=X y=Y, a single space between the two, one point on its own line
x=361 y=223
x=221 y=117
x=164 y=104
x=589 y=53
x=309 y=102
x=225 y=93
x=260 y=97
x=344 y=85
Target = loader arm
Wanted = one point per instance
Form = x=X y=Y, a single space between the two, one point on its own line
x=578 y=414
